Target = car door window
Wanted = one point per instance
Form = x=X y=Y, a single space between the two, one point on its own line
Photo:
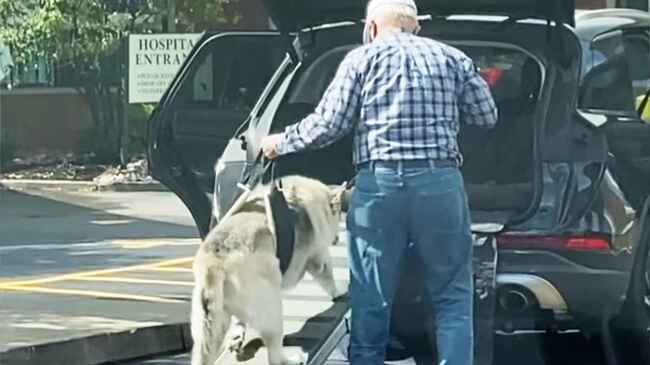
x=223 y=83
x=230 y=81
x=203 y=87
x=637 y=50
x=619 y=61
x=607 y=83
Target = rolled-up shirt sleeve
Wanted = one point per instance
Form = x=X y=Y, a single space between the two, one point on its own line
x=334 y=116
x=477 y=107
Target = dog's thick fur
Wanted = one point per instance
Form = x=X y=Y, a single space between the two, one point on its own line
x=237 y=273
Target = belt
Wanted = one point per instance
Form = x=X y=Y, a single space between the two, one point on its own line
x=408 y=164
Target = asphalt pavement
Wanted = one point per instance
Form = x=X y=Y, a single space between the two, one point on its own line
x=82 y=265
x=88 y=265
x=51 y=232
x=89 y=277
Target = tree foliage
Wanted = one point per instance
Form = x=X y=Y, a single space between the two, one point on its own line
x=84 y=38
x=76 y=31
x=83 y=31
x=200 y=15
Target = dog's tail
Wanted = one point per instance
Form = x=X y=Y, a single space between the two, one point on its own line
x=209 y=320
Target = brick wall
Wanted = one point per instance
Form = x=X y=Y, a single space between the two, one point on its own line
x=38 y=120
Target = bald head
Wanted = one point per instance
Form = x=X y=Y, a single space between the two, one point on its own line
x=391 y=14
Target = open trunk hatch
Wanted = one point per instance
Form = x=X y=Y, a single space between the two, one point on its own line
x=293 y=15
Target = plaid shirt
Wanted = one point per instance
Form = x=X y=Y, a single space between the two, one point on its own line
x=404 y=96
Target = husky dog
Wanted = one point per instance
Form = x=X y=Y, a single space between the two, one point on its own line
x=237 y=274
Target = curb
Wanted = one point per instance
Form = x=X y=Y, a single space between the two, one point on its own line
x=106 y=347
x=133 y=187
x=65 y=185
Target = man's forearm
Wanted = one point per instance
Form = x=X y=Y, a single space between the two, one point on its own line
x=290 y=141
x=312 y=132
x=333 y=117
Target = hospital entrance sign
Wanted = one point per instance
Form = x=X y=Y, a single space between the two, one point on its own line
x=154 y=60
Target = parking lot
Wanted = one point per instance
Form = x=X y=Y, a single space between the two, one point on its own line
x=128 y=281
x=120 y=273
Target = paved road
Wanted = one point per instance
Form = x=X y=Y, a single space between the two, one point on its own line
x=56 y=232
x=74 y=264
x=80 y=264
x=91 y=262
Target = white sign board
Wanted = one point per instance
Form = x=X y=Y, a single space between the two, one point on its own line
x=154 y=60
x=5 y=61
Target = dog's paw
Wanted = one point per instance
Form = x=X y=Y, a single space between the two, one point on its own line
x=236 y=346
x=295 y=359
x=236 y=339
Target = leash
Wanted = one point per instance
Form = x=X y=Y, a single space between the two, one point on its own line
x=350 y=184
x=250 y=179
x=254 y=175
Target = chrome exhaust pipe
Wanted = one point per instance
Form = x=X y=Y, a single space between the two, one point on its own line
x=540 y=291
x=514 y=300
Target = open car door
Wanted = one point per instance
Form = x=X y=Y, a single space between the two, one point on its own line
x=209 y=99
x=622 y=64
x=627 y=336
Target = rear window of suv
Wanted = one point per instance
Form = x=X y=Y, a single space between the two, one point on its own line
x=512 y=75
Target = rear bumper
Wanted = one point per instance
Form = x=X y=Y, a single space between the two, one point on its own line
x=546 y=295
x=557 y=294
x=564 y=294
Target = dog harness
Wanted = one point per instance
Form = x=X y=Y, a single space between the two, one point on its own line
x=281 y=218
x=282 y=222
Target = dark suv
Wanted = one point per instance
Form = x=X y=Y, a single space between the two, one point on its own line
x=557 y=188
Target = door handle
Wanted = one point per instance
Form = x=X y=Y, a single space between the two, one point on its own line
x=244 y=143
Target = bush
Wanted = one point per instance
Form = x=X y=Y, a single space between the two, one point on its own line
x=138 y=115
x=8 y=151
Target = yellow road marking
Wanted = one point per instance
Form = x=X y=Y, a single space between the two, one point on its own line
x=168 y=269
x=57 y=278
x=111 y=222
x=135 y=280
x=142 y=243
x=91 y=293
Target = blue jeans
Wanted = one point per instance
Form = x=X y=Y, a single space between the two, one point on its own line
x=394 y=205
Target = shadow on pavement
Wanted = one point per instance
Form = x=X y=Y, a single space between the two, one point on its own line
x=41 y=235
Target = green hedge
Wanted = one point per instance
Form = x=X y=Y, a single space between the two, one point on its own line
x=138 y=115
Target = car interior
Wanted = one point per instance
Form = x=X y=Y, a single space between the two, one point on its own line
x=490 y=156
x=220 y=91
x=622 y=67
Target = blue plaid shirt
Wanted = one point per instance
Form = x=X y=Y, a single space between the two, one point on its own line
x=404 y=96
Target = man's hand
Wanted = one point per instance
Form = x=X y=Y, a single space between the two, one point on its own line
x=270 y=146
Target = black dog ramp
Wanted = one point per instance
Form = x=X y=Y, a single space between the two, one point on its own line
x=314 y=323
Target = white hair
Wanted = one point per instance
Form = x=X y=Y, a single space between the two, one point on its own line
x=402 y=13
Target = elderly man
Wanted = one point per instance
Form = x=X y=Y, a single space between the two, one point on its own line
x=403 y=97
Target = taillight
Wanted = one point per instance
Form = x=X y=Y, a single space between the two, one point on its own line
x=574 y=243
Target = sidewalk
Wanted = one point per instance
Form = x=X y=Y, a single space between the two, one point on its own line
x=71 y=185
x=80 y=176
